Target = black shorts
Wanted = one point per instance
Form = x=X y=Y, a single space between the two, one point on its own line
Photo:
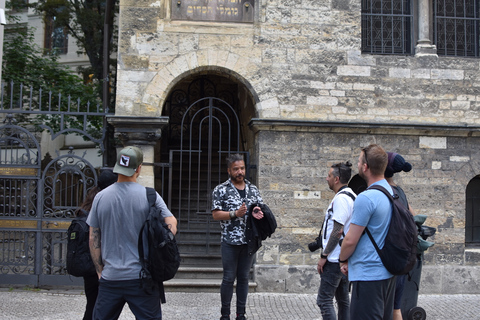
x=372 y=300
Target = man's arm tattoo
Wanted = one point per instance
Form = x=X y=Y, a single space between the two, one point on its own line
x=334 y=238
x=96 y=249
x=97 y=242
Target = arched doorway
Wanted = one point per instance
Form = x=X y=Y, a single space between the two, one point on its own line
x=208 y=116
x=472 y=214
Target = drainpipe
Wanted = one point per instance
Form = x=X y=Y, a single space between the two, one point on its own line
x=109 y=6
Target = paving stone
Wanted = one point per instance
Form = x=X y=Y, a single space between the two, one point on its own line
x=67 y=305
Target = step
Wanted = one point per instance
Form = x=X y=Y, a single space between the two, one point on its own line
x=199 y=273
x=199 y=249
x=199 y=285
x=214 y=235
x=201 y=260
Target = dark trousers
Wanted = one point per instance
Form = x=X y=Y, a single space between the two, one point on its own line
x=90 y=284
x=372 y=300
x=112 y=296
x=333 y=283
x=400 y=285
x=236 y=264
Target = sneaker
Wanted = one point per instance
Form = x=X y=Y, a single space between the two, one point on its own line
x=225 y=318
x=241 y=317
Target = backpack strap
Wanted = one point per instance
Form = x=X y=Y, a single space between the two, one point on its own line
x=151 y=196
x=391 y=198
x=348 y=194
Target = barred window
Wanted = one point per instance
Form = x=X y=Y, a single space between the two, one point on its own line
x=387 y=26
x=456 y=29
x=56 y=37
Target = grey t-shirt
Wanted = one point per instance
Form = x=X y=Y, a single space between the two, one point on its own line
x=119 y=211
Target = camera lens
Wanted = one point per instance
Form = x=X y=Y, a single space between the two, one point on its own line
x=314 y=246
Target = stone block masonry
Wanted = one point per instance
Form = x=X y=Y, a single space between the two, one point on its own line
x=316 y=100
x=304 y=159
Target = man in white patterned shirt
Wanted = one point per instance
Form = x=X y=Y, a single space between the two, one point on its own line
x=230 y=203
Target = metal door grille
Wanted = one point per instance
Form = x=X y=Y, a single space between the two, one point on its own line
x=210 y=131
x=38 y=198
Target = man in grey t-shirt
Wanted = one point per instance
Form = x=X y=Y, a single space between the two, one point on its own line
x=117 y=215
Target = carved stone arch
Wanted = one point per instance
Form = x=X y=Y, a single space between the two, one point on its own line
x=221 y=62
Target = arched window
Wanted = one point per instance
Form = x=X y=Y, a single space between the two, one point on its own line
x=472 y=221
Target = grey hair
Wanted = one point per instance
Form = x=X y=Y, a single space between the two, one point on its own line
x=234 y=158
x=343 y=171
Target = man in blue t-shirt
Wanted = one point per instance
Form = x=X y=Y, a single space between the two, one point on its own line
x=372 y=285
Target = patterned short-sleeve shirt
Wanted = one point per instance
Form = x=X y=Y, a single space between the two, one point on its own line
x=225 y=197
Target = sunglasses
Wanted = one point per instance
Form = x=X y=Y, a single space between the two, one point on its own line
x=365 y=156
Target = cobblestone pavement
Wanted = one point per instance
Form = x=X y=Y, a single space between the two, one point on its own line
x=69 y=305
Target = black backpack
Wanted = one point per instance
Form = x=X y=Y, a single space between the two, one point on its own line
x=399 y=253
x=157 y=248
x=79 y=260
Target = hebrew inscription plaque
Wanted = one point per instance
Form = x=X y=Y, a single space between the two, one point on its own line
x=213 y=10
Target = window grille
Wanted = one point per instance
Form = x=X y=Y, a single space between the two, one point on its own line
x=387 y=26
x=456 y=30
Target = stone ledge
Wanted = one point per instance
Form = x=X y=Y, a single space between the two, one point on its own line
x=413 y=129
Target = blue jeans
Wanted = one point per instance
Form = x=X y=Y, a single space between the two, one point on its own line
x=236 y=264
x=333 y=284
x=112 y=296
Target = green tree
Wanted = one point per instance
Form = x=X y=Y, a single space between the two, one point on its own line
x=42 y=78
x=85 y=21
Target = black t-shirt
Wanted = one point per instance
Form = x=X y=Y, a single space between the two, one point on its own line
x=241 y=193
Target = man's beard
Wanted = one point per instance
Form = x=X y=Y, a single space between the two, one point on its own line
x=362 y=175
x=236 y=178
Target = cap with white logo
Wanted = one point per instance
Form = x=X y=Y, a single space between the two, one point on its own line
x=128 y=160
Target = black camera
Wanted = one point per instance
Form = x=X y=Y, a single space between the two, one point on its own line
x=315 y=245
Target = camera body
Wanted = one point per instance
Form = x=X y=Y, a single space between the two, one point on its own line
x=315 y=245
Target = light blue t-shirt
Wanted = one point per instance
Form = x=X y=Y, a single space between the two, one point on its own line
x=372 y=209
x=120 y=211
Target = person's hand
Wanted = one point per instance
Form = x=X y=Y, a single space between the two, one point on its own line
x=257 y=213
x=344 y=268
x=241 y=211
x=321 y=263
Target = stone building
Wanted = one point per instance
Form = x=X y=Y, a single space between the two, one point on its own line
x=298 y=86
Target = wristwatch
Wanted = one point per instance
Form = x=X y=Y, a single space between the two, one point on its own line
x=323 y=256
x=232 y=214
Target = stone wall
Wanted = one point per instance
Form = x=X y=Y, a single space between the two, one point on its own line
x=292 y=171
x=317 y=101
x=301 y=60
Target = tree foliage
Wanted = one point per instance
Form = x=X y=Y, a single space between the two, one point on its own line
x=85 y=21
x=45 y=81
